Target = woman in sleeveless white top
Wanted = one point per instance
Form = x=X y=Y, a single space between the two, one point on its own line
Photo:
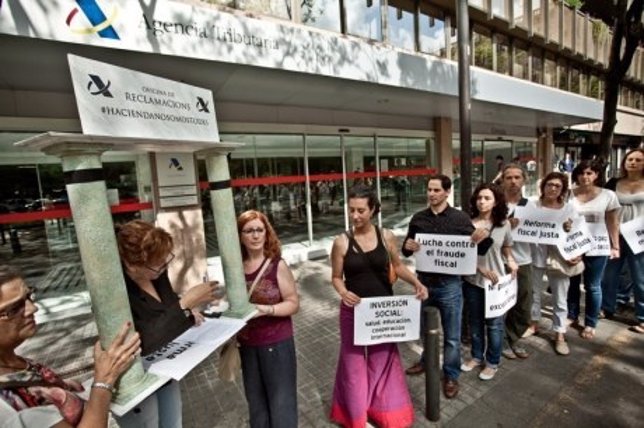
x=630 y=192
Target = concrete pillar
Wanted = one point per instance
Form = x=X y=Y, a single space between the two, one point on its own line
x=223 y=211
x=545 y=151
x=83 y=172
x=443 y=131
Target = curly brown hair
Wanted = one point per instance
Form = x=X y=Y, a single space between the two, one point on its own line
x=500 y=209
x=141 y=243
x=272 y=245
x=555 y=176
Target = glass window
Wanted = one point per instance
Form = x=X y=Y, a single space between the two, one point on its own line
x=519 y=10
x=537 y=65
x=525 y=154
x=327 y=186
x=502 y=54
x=363 y=18
x=277 y=8
x=403 y=177
x=538 y=21
x=594 y=86
x=562 y=72
x=575 y=80
x=568 y=16
x=553 y=20
x=477 y=167
x=432 y=31
x=323 y=14
x=550 y=71
x=482 y=43
x=453 y=39
x=520 y=66
x=400 y=23
x=481 y=4
x=500 y=8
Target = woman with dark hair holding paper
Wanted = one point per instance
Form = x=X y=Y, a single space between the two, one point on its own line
x=600 y=208
x=267 y=346
x=554 y=190
x=489 y=211
x=370 y=382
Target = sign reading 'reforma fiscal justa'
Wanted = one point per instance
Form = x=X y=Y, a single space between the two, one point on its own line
x=119 y=102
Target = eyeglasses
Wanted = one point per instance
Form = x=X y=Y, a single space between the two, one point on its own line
x=164 y=266
x=258 y=230
x=18 y=308
x=554 y=185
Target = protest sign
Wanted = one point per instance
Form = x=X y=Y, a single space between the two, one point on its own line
x=180 y=356
x=601 y=240
x=633 y=233
x=450 y=254
x=386 y=319
x=500 y=297
x=577 y=242
x=538 y=225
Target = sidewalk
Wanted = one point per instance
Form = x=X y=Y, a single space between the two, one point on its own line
x=601 y=383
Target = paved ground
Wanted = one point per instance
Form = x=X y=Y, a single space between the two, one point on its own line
x=600 y=384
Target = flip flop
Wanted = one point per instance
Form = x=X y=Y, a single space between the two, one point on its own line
x=638 y=328
x=588 y=333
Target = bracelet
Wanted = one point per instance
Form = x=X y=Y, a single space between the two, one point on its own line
x=103 y=385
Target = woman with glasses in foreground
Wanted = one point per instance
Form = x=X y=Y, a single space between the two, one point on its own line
x=159 y=314
x=32 y=395
x=267 y=347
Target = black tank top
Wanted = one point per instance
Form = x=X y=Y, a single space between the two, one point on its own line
x=365 y=274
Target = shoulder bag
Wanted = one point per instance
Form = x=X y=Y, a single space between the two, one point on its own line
x=229 y=365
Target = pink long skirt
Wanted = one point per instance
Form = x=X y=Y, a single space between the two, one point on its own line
x=369 y=383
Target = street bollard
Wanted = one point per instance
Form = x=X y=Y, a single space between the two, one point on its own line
x=432 y=364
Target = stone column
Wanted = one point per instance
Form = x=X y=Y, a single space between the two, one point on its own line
x=87 y=193
x=223 y=211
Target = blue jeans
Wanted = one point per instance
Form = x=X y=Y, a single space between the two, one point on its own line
x=160 y=410
x=270 y=384
x=475 y=299
x=446 y=294
x=611 y=280
x=593 y=272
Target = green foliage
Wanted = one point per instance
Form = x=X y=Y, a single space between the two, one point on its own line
x=600 y=32
x=576 y=4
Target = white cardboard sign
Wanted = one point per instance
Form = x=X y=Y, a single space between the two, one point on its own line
x=500 y=297
x=538 y=225
x=578 y=241
x=633 y=233
x=386 y=319
x=448 y=254
x=601 y=239
x=180 y=356
x=119 y=102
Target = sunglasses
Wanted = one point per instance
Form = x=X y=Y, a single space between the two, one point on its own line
x=163 y=267
x=18 y=308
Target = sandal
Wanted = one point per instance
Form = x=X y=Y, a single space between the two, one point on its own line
x=638 y=328
x=588 y=333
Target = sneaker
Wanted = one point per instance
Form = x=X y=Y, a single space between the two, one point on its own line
x=509 y=354
x=487 y=373
x=520 y=352
x=561 y=347
x=469 y=365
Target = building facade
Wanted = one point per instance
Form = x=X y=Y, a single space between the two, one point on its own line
x=323 y=94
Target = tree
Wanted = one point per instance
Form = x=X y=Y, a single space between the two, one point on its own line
x=628 y=33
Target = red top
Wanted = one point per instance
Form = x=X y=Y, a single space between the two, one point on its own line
x=265 y=330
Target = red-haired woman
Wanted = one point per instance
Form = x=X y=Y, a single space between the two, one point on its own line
x=159 y=314
x=266 y=343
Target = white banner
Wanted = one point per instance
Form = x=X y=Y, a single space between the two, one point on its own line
x=500 y=297
x=180 y=356
x=119 y=102
x=386 y=319
x=449 y=254
x=538 y=225
x=633 y=233
x=601 y=239
x=578 y=241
